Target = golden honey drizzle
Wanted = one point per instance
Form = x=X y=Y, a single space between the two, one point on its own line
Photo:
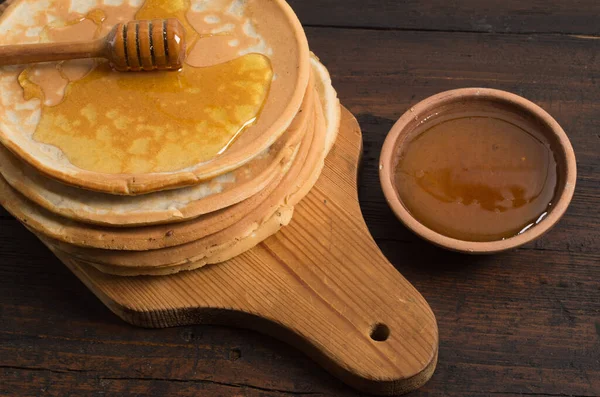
x=113 y=122
x=43 y=81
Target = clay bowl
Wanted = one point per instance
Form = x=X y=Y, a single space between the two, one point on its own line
x=504 y=105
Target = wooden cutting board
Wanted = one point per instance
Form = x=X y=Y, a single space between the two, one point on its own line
x=320 y=284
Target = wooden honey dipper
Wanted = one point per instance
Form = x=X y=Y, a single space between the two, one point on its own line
x=158 y=44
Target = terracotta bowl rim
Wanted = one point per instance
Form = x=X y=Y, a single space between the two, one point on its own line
x=566 y=169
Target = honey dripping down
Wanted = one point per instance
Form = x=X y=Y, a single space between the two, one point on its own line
x=113 y=122
x=477 y=178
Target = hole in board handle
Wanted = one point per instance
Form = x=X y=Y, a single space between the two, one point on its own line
x=380 y=332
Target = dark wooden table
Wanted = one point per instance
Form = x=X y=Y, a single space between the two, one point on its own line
x=524 y=323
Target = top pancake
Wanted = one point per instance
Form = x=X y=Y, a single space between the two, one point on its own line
x=236 y=46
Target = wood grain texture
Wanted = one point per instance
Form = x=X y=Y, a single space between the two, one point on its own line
x=320 y=284
x=507 y=16
x=522 y=323
x=31 y=53
x=111 y=47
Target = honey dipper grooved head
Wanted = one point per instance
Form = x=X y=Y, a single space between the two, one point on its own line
x=158 y=44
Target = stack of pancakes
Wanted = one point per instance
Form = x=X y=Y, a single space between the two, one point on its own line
x=155 y=174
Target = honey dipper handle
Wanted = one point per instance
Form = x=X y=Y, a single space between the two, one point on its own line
x=46 y=52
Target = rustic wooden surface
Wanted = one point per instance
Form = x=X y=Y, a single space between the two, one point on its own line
x=320 y=284
x=522 y=323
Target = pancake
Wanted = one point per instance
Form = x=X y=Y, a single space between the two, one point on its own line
x=329 y=99
x=269 y=228
x=160 y=207
x=188 y=223
x=118 y=156
x=134 y=239
x=270 y=216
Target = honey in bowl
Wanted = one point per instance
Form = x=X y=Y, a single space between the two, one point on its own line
x=477 y=176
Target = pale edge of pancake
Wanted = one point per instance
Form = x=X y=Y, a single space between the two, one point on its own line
x=281 y=218
x=329 y=100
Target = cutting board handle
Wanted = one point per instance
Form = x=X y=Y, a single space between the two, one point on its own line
x=320 y=284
